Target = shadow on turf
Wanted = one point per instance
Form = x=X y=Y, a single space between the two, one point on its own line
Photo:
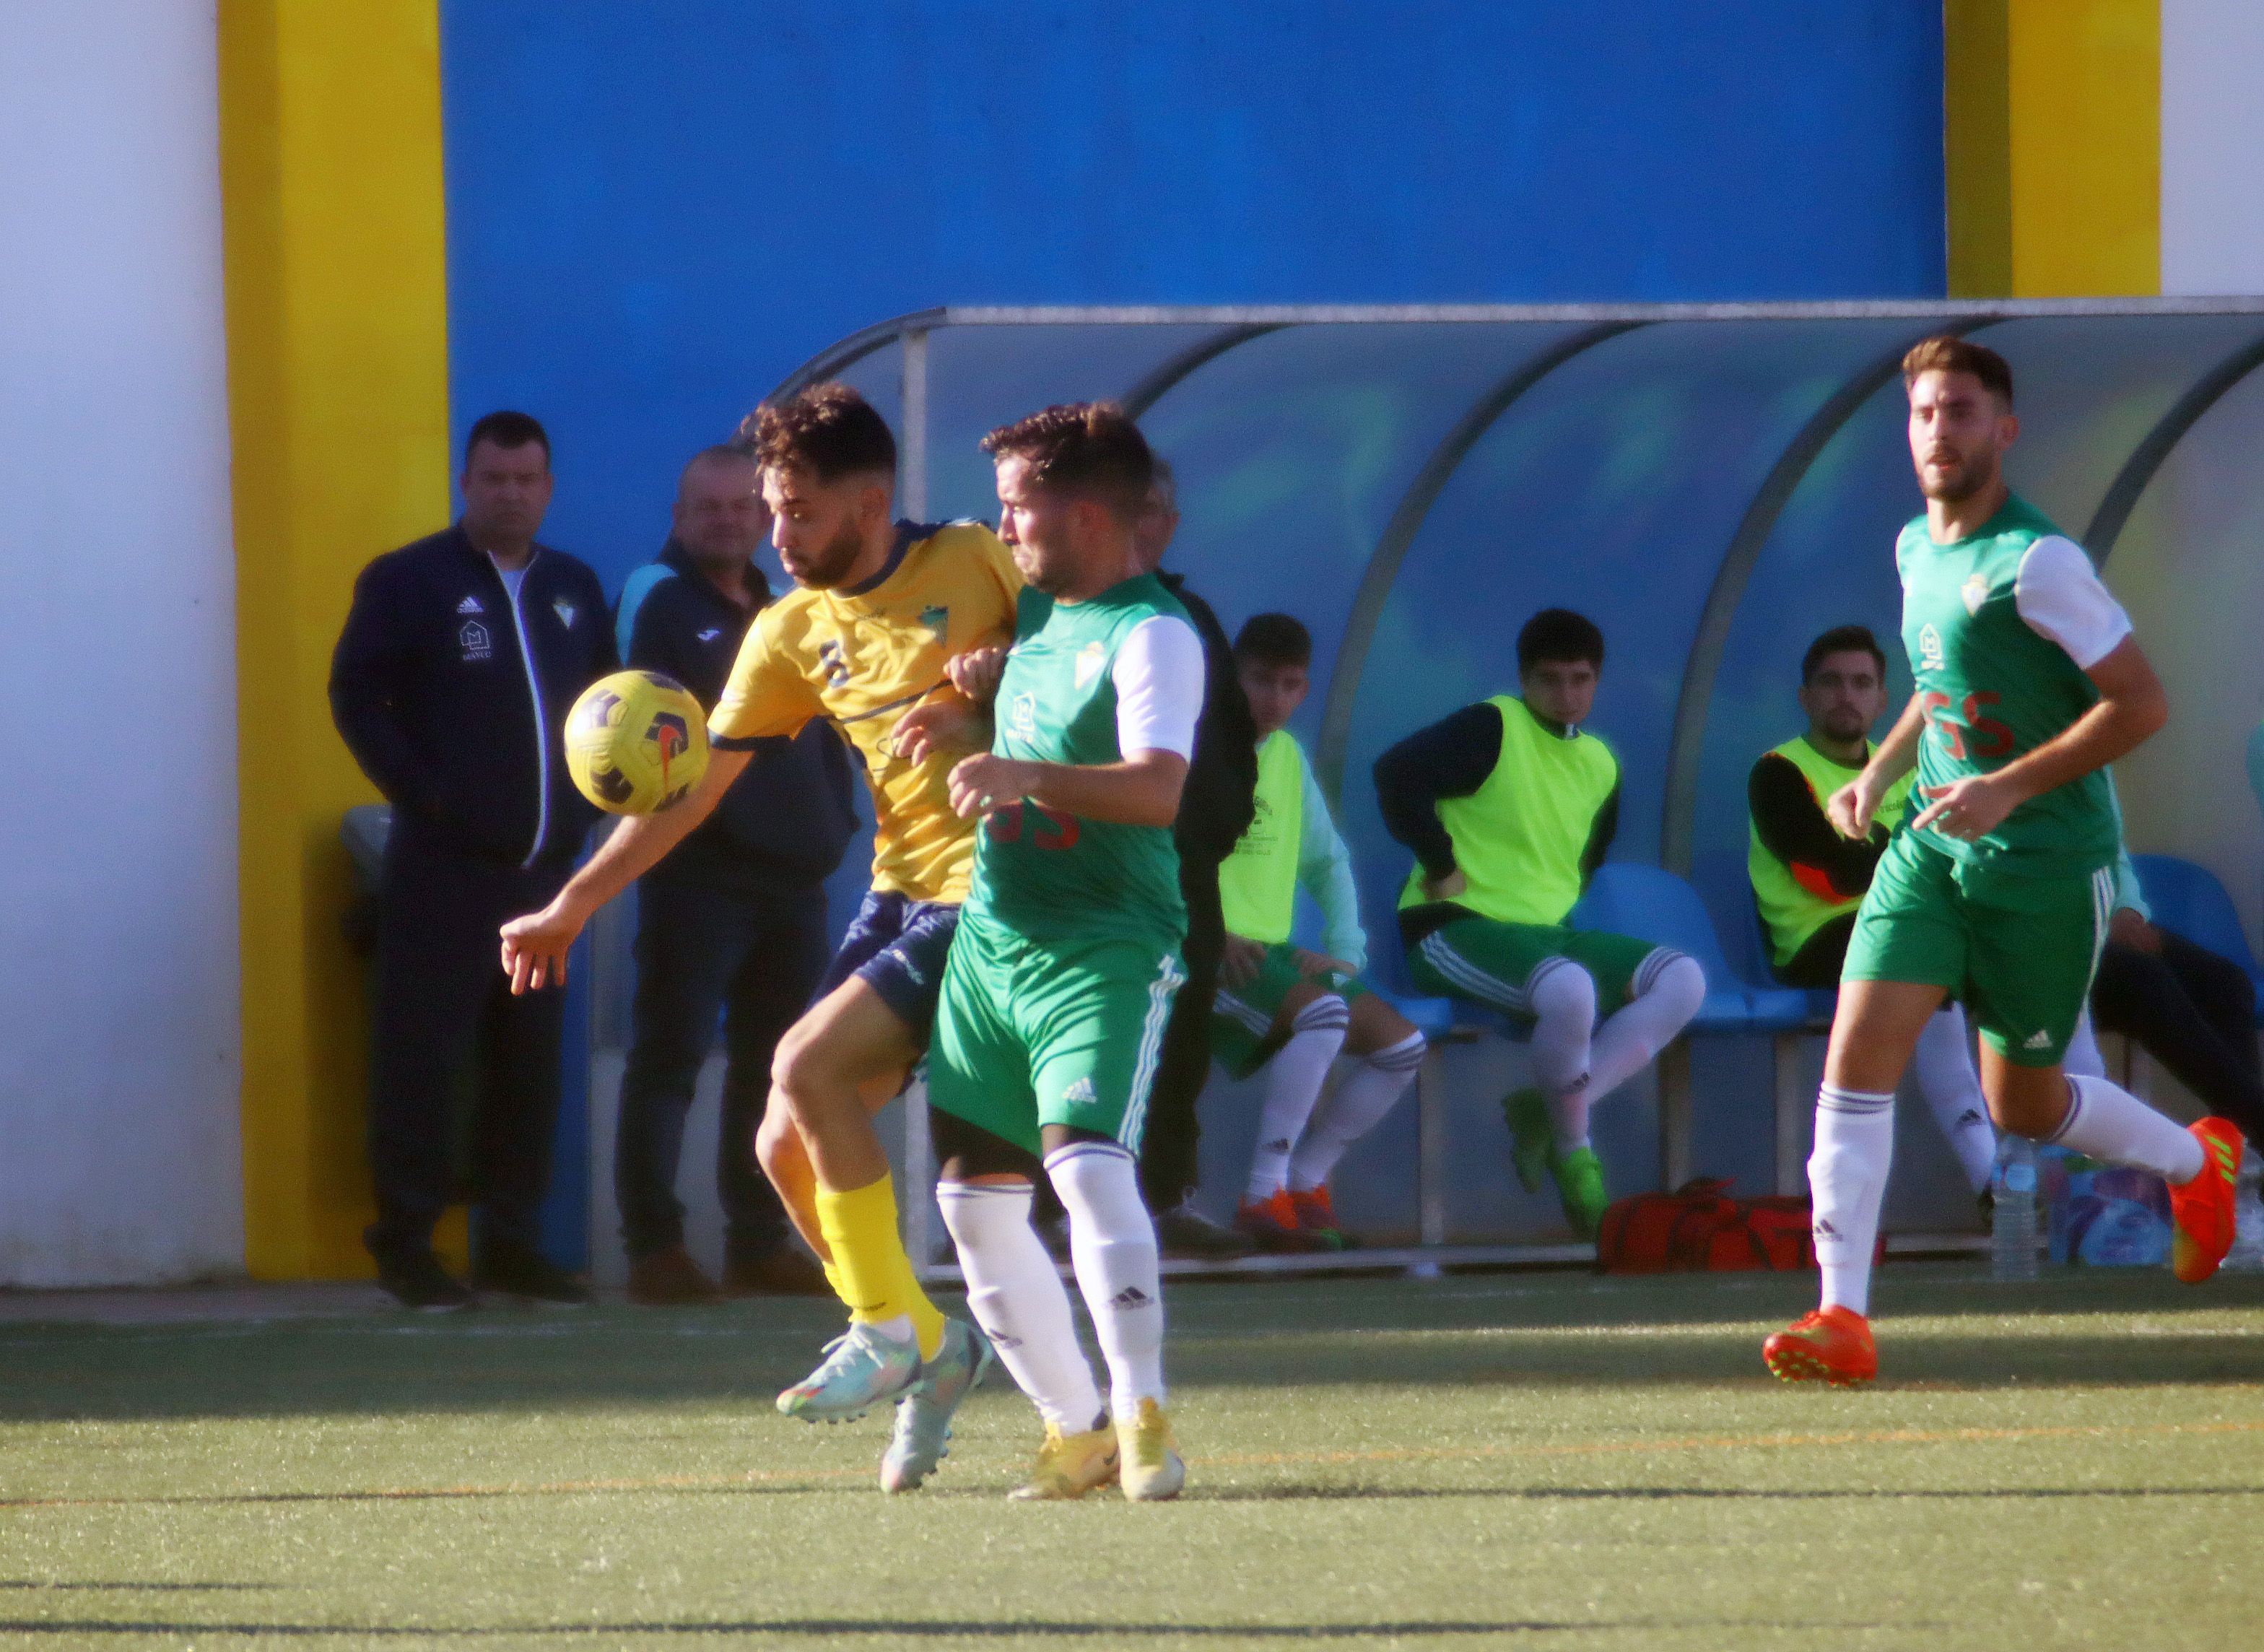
x=37 y=1582
x=1675 y=1494
x=910 y=1629
x=1516 y=1331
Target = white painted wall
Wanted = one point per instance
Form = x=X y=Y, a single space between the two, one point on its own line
x=120 y=1045
x=2212 y=147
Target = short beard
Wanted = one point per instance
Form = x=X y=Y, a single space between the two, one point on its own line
x=831 y=566
x=1970 y=478
x=1856 y=731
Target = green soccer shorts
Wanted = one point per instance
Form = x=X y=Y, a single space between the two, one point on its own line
x=1242 y=1031
x=2018 y=952
x=1499 y=964
x=1029 y=1034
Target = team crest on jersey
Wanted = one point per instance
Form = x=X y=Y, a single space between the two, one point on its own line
x=473 y=638
x=937 y=619
x=1024 y=721
x=1092 y=660
x=565 y=611
x=1929 y=648
x=1975 y=592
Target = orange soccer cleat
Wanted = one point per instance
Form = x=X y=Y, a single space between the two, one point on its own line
x=1831 y=1345
x=1272 y=1222
x=1316 y=1213
x=2201 y=1211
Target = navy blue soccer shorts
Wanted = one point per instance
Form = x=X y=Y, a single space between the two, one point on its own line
x=897 y=946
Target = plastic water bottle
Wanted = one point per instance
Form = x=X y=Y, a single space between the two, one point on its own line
x=2013 y=1222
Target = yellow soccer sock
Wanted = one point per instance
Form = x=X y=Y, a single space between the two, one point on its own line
x=833 y=1278
x=875 y=1275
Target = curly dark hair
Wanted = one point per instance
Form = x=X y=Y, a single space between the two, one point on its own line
x=829 y=427
x=1089 y=447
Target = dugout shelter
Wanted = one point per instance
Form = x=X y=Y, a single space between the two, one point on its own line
x=1714 y=484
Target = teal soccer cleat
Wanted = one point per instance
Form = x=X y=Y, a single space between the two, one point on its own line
x=861 y=1368
x=923 y=1434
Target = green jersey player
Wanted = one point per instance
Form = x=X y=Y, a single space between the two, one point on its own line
x=1068 y=955
x=1999 y=890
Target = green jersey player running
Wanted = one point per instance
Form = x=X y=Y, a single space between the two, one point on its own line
x=1999 y=890
x=1068 y=955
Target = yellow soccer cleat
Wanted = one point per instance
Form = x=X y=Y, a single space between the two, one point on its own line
x=1069 y=1465
x=1153 y=1469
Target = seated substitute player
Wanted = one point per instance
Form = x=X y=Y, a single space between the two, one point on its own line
x=2190 y=1009
x=1510 y=806
x=1284 y=1010
x=1062 y=977
x=1807 y=880
x=878 y=608
x=1997 y=891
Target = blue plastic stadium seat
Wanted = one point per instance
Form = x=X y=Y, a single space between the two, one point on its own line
x=1823 y=1001
x=2188 y=899
x=1654 y=904
x=1434 y=1017
x=1823 y=1004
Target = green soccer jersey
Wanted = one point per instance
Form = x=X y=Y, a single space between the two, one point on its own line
x=1053 y=877
x=2000 y=627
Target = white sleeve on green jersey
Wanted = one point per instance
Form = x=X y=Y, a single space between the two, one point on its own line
x=2058 y=594
x=1324 y=869
x=1158 y=673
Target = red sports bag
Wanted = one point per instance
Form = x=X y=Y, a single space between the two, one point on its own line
x=1699 y=1228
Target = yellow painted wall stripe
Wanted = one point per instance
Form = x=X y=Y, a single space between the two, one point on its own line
x=1976 y=147
x=330 y=159
x=2052 y=144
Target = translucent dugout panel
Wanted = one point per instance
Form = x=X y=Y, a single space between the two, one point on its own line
x=1294 y=449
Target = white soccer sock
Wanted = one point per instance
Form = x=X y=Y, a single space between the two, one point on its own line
x=1847 y=1181
x=1294 y=1077
x=1357 y=1106
x=1017 y=1298
x=2083 y=1059
x=1943 y=1062
x=1669 y=989
x=1563 y=1001
x=1112 y=1243
x=2108 y=1123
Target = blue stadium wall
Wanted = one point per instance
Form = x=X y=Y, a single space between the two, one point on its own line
x=656 y=213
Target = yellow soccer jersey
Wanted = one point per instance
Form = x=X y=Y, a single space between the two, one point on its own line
x=862 y=656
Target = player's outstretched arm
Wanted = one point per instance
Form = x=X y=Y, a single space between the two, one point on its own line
x=1851 y=807
x=1143 y=789
x=534 y=947
x=2132 y=706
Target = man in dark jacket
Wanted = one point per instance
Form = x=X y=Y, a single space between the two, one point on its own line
x=451 y=682
x=1216 y=809
x=733 y=921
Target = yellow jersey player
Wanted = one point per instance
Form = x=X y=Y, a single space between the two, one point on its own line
x=880 y=606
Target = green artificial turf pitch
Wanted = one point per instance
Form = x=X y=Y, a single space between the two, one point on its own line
x=1546 y=1460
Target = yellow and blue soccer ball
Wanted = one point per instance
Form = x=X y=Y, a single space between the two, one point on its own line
x=635 y=742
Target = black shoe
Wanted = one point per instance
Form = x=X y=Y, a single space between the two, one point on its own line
x=1184 y=1233
x=516 y=1270
x=417 y=1281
